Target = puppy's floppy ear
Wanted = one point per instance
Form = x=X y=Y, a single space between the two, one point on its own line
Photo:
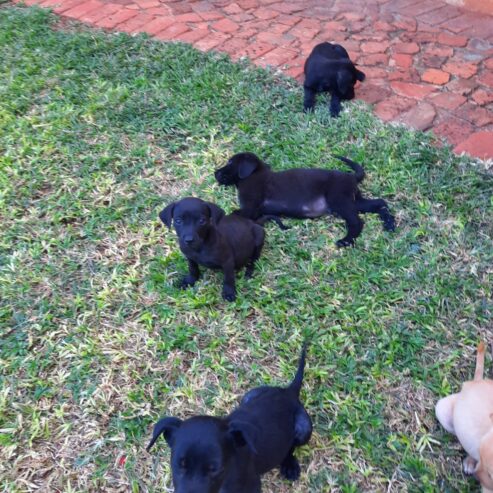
x=345 y=82
x=360 y=75
x=166 y=215
x=247 y=167
x=216 y=212
x=166 y=427
x=244 y=433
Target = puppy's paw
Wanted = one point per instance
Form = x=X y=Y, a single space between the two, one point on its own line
x=187 y=282
x=344 y=243
x=229 y=294
x=469 y=465
x=290 y=468
x=389 y=224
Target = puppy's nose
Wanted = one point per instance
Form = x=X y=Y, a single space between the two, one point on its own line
x=188 y=239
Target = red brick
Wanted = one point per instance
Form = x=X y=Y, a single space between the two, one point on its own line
x=95 y=15
x=275 y=39
x=401 y=60
x=157 y=25
x=210 y=16
x=372 y=93
x=374 y=47
x=83 y=8
x=50 y=3
x=287 y=8
x=202 y=6
x=461 y=69
x=351 y=16
x=419 y=117
x=479 y=144
x=210 y=42
x=383 y=26
x=189 y=17
x=135 y=23
x=453 y=129
x=233 y=47
x=462 y=86
x=248 y=4
x=304 y=32
x=408 y=48
x=277 y=57
x=288 y=20
x=407 y=75
x=405 y=23
x=486 y=79
x=246 y=34
x=392 y=107
x=232 y=8
x=475 y=114
x=448 y=100
x=439 y=51
x=452 y=40
x=117 y=18
x=147 y=4
x=256 y=50
x=434 y=76
x=334 y=26
x=172 y=32
x=192 y=36
x=373 y=73
x=65 y=5
x=225 y=26
x=417 y=91
x=375 y=59
x=483 y=97
x=265 y=14
x=489 y=63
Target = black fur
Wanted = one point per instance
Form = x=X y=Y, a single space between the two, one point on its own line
x=209 y=238
x=228 y=455
x=302 y=193
x=329 y=69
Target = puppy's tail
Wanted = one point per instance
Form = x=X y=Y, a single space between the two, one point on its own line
x=478 y=374
x=359 y=172
x=270 y=217
x=298 y=378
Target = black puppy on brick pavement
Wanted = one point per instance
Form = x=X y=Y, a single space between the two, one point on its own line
x=209 y=238
x=228 y=455
x=302 y=193
x=329 y=69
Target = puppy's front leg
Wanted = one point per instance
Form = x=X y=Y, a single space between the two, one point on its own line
x=309 y=101
x=193 y=274
x=229 y=289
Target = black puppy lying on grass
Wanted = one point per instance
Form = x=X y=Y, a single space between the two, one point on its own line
x=228 y=455
x=208 y=237
x=302 y=193
x=329 y=69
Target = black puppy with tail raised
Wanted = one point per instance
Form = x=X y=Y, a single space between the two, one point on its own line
x=303 y=193
x=229 y=454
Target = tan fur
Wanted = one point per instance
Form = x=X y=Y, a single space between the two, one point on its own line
x=469 y=415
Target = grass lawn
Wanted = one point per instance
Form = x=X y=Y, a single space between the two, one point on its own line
x=97 y=133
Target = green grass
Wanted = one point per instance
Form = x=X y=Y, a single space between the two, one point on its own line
x=97 y=133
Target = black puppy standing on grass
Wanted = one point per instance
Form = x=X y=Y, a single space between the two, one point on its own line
x=209 y=238
x=228 y=455
x=329 y=69
x=303 y=193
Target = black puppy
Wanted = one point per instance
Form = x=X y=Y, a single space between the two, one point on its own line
x=329 y=69
x=302 y=193
x=228 y=455
x=208 y=237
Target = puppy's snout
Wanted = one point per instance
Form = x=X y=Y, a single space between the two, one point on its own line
x=188 y=239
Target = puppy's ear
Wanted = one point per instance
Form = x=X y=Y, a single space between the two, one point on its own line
x=166 y=427
x=247 y=167
x=216 y=212
x=344 y=82
x=244 y=433
x=360 y=75
x=166 y=215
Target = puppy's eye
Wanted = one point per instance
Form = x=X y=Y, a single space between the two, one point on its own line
x=202 y=221
x=178 y=221
x=212 y=469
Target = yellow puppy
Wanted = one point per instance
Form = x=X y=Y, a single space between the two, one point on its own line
x=469 y=416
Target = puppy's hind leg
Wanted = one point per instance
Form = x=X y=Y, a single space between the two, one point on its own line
x=335 y=105
x=259 y=236
x=444 y=411
x=290 y=467
x=354 y=224
x=376 y=206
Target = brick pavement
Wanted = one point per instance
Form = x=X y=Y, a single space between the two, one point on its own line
x=428 y=64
